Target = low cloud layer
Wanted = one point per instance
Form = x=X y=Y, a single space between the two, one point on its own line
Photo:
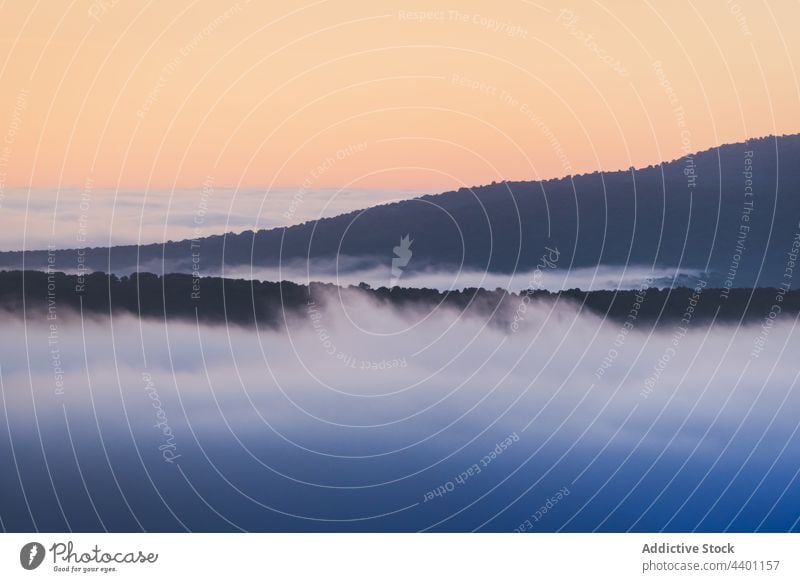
x=93 y=216
x=351 y=271
x=353 y=415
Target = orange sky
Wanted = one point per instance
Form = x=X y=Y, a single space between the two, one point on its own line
x=117 y=93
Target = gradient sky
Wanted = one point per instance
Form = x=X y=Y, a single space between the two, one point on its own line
x=125 y=94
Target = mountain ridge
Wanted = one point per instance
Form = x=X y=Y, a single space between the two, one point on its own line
x=684 y=214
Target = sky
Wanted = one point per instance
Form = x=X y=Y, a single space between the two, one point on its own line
x=392 y=95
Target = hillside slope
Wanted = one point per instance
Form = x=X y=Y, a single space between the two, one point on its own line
x=731 y=211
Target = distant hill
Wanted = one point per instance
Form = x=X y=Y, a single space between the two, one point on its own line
x=731 y=211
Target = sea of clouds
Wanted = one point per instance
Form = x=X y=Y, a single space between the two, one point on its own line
x=352 y=415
